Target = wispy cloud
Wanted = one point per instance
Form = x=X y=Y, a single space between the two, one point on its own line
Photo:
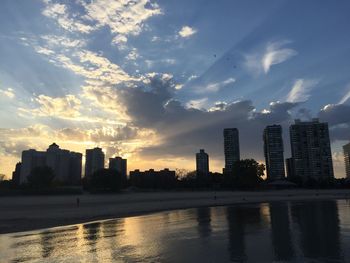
x=60 y=13
x=61 y=107
x=274 y=53
x=300 y=90
x=346 y=97
x=187 y=31
x=215 y=86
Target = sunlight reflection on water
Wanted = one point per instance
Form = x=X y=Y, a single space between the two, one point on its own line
x=316 y=231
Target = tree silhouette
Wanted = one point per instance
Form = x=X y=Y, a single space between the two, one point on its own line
x=246 y=174
x=105 y=180
x=41 y=177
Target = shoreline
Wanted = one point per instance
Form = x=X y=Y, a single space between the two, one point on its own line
x=29 y=213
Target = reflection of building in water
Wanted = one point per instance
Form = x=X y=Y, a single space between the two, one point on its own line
x=57 y=242
x=281 y=232
x=204 y=221
x=92 y=235
x=319 y=229
x=238 y=219
x=112 y=232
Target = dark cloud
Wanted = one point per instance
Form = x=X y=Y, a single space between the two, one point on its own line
x=335 y=114
x=184 y=130
x=338 y=117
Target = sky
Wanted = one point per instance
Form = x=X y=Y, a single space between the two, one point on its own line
x=155 y=81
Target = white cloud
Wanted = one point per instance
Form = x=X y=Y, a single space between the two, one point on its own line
x=187 y=31
x=60 y=13
x=61 y=107
x=300 y=90
x=273 y=54
x=44 y=50
x=179 y=86
x=133 y=54
x=197 y=104
x=8 y=93
x=54 y=41
x=192 y=77
x=121 y=17
x=119 y=39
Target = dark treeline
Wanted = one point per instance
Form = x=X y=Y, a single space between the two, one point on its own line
x=246 y=175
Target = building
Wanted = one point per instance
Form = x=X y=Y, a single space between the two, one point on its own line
x=31 y=159
x=231 y=149
x=16 y=175
x=66 y=165
x=75 y=167
x=273 y=151
x=163 y=179
x=120 y=165
x=290 y=169
x=346 y=149
x=95 y=160
x=311 y=150
x=202 y=163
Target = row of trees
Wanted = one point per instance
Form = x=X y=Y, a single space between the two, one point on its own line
x=247 y=175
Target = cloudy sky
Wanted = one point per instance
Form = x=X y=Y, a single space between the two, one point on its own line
x=154 y=81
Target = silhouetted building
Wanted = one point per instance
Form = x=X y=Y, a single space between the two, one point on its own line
x=231 y=149
x=346 y=149
x=202 y=163
x=290 y=167
x=66 y=165
x=16 y=175
x=31 y=159
x=95 y=160
x=75 y=167
x=273 y=151
x=163 y=179
x=311 y=149
x=120 y=165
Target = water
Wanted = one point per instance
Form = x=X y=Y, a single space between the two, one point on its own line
x=317 y=231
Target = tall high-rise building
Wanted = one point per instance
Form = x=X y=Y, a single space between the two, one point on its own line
x=95 y=160
x=120 y=165
x=290 y=167
x=59 y=160
x=231 y=149
x=311 y=149
x=346 y=149
x=202 y=163
x=273 y=151
x=75 y=167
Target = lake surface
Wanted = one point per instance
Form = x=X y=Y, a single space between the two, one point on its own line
x=315 y=231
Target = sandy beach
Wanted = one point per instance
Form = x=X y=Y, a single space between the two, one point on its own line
x=22 y=213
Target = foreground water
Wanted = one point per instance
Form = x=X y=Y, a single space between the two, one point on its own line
x=315 y=231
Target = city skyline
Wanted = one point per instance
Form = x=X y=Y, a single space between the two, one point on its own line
x=153 y=84
x=310 y=157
